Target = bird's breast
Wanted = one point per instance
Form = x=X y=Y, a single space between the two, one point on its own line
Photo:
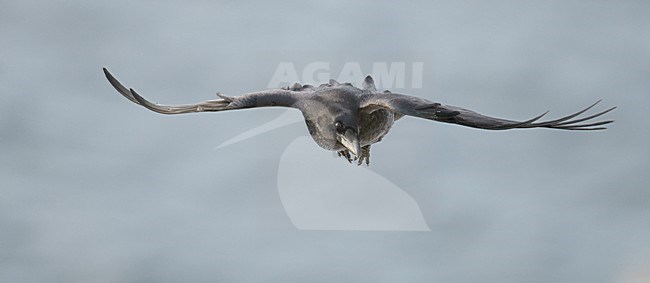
x=373 y=126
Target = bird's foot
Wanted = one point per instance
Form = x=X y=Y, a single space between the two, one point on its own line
x=363 y=156
x=346 y=155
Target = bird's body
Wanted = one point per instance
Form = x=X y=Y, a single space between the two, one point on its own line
x=330 y=100
x=348 y=120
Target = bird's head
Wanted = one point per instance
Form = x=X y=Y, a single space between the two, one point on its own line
x=347 y=134
x=335 y=130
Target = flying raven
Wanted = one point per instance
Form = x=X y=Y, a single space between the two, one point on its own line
x=348 y=120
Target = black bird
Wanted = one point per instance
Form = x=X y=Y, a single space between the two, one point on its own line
x=348 y=120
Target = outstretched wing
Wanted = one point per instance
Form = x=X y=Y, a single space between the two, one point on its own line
x=419 y=107
x=277 y=97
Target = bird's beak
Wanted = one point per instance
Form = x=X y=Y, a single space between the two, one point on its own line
x=351 y=141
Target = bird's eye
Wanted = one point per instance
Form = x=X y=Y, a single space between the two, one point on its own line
x=339 y=126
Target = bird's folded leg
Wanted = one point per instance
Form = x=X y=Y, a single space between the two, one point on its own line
x=365 y=155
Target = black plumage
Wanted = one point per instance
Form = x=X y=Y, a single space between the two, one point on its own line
x=347 y=119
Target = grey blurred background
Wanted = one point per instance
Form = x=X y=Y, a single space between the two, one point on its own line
x=93 y=187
